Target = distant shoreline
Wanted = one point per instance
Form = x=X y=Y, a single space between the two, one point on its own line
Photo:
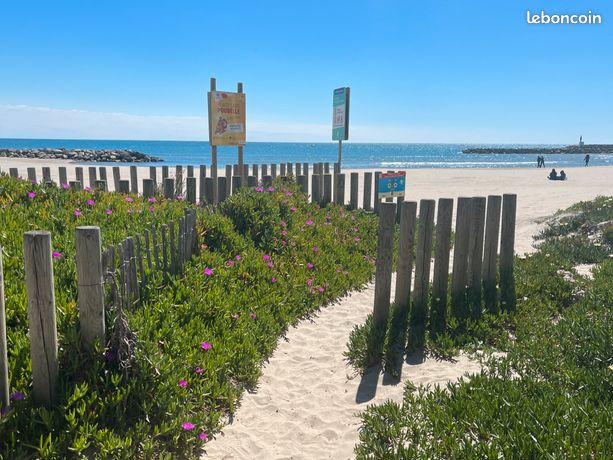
x=595 y=149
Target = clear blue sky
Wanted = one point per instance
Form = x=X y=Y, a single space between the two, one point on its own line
x=419 y=71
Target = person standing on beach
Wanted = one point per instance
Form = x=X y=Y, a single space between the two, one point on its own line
x=542 y=161
x=587 y=159
x=538 y=161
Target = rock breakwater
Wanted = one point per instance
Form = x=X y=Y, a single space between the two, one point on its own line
x=585 y=149
x=120 y=156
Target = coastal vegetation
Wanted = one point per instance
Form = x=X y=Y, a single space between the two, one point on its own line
x=268 y=258
x=550 y=394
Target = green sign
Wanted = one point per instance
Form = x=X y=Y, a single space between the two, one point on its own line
x=340 y=114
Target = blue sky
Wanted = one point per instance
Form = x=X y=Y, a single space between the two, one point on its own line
x=419 y=71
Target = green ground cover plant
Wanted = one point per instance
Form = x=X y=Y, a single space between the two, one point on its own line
x=551 y=394
x=268 y=258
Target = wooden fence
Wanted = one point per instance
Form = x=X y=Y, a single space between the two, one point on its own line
x=473 y=286
x=116 y=274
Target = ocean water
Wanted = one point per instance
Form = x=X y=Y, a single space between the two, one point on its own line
x=390 y=156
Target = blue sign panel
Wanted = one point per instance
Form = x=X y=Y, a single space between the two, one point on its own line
x=391 y=185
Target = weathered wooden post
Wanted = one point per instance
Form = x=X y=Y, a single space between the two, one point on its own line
x=228 y=182
x=41 y=316
x=75 y=185
x=100 y=185
x=304 y=186
x=305 y=171
x=327 y=168
x=90 y=284
x=406 y=243
x=102 y=173
x=116 y=178
x=153 y=174
x=130 y=251
x=172 y=248
x=267 y=181
x=179 y=180
x=289 y=170
x=222 y=189
x=79 y=175
x=377 y=201
x=93 y=176
x=366 y=199
x=273 y=170
x=190 y=171
x=139 y=261
x=14 y=173
x=315 y=187
x=209 y=190
x=507 y=250
x=165 y=247
x=236 y=184
x=46 y=174
x=383 y=270
x=148 y=188
x=475 y=255
x=283 y=171
x=459 y=305
x=4 y=363
x=490 y=253
x=423 y=253
x=254 y=171
x=63 y=175
x=191 y=189
x=327 y=196
x=165 y=173
x=156 y=248
x=124 y=186
x=264 y=169
x=202 y=185
x=147 y=249
x=440 y=279
x=353 y=191
x=133 y=180
x=32 y=175
x=298 y=169
x=169 y=188
x=340 y=187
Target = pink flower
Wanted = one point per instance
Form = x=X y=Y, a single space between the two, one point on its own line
x=188 y=426
x=65 y=186
x=183 y=383
x=271 y=189
x=130 y=211
x=206 y=346
x=357 y=238
x=310 y=282
x=56 y=254
x=199 y=370
x=88 y=189
x=288 y=193
x=315 y=249
x=151 y=200
x=207 y=271
x=180 y=197
x=259 y=189
x=293 y=209
x=309 y=222
x=270 y=264
x=265 y=257
x=253 y=315
x=77 y=212
x=129 y=199
x=273 y=280
x=229 y=263
x=310 y=265
x=283 y=232
x=237 y=257
x=31 y=195
x=109 y=212
x=152 y=209
x=320 y=289
x=203 y=436
x=90 y=202
x=283 y=243
x=283 y=223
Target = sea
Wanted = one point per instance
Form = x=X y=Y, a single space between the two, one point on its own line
x=354 y=155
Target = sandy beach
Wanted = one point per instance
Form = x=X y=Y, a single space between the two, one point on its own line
x=307 y=399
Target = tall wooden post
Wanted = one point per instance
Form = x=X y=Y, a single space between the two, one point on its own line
x=239 y=89
x=507 y=250
x=327 y=197
x=209 y=190
x=459 y=304
x=63 y=175
x=4 y=370
x=475 y=255
x=191 y=189
x=169 y=188
x=490 y=253
x=340 y=189
x=153 y=174
x=440 y=280
x=90 y=285
x=406 y=243
x=353 y=190
x=315 y=196
x=93 y=176
x=377 y=201
x=46 y=174
x=116 y=178
x=148 y=188
x=32 y=175
x=79 y=175
x=213 y=147
x=41 y=316
x=202 y=184
x=383 y=271
x=366 y=199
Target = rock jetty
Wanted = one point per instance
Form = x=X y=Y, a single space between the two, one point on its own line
x=584 y=149
x=120 y=156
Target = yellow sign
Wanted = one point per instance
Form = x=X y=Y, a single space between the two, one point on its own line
x=226 y=118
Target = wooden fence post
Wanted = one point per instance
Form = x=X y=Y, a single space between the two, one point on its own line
x=304 y=186
x=490 y=253
x=191 y=189
x=63 y=175
x=179 y=184
x=475 y=255
x=406 y=243
x=41 y=316
x=366 y=199
x=222 y=189
x=93 y=176
x=165 y=247
x=254 y=171
x=148 y=188
x=100 y=185
x=190 y=171
x=172 y=249
x=124 y=186
x=4 y=370
x=46 y=174
x=422 y=274
x=507 y=250
x=459 y=305
x=353 y=190
x=202 y=185
x=169 y=188
x=266 y=181
x=32 y=175
x=326 y=168
x=383 y=270
x=116 y=178
x=440 y=279
x=147 y=249
x=102 y=173
x=264 y=170
x=298 y=169
x=315 y=187
x=236 y=184
x=340 y=189
x=209 y=190
x=273 y=170
x=252 y=181
x=327 y=197
x=75 y=185
x=228 y=182
x=133 y=180
x=377 y=201
x=283 y=172
x=79 y=175
x=14 y=172
x=165 y=174
x=153 y=174
x=90 y=285
x=139 y=261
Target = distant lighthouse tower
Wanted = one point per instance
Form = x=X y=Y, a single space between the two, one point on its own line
x=581 y=143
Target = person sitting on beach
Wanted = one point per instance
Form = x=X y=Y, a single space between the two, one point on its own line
x=562 y=175
x=553 y=175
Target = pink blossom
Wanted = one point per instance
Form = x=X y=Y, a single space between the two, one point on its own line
x=188 y=426
x=288 y=193
x=180 y=197
x=265 y=257
x=229 y=263
x=271 y=189
x=283 y=232
x=309 y=222
x=208 y=271
x=273 y=280
x=315 y=249
x=183 y=383
x=203 y=436
x=152 y=209
x=259 y=189
x=270 y=264
x=310 y=282
x=151 y=200
x=129 y=199
x=237 y=257
x=253 y=315
x=293 y=209
x=130 y=211
x=89 y=189
x=109 y=212
x=357 y=238
x=206 y=346
x=56 y=254
x=199 y=370
x=31 y=195
x=310 y=265
x=320 y=289
x=90 y=202
x=283 y=223
x=283 y=243
x=77 y=212
x=65 y=186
